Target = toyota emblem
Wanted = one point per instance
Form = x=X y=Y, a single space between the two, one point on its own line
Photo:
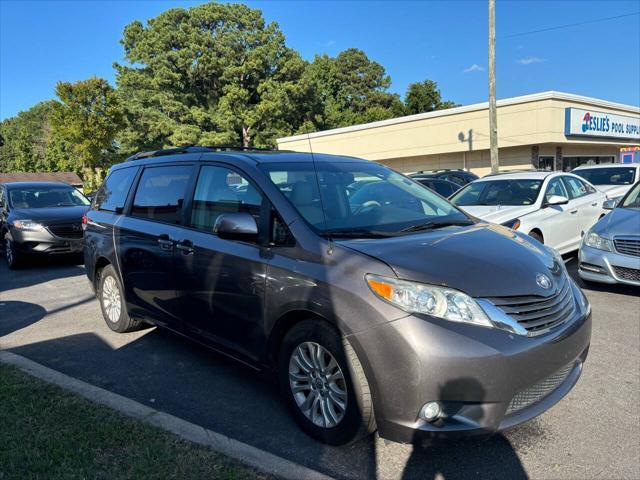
x=543 y=281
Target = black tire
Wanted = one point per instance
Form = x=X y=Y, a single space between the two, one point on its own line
x=358 y=418
x=117 y=320
x=537 y=236
x=11 y=254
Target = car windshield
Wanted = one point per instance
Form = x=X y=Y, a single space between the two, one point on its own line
x=358 y=199
x=46 y=197
x=632 y=200
x=608 y=176
x=498 y=192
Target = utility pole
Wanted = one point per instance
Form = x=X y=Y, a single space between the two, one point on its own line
x=493 y=117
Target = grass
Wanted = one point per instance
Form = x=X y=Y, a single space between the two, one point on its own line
x=47 y=432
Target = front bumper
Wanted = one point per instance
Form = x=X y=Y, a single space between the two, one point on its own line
x=43 y=242
x=608 y=267
x=475 y=373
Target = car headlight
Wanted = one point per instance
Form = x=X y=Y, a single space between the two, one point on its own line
x=514 y=224
x=27 y=225
x=440 y=302
x=592 y=239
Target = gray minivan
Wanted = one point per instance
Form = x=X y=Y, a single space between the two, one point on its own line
x=383 y=307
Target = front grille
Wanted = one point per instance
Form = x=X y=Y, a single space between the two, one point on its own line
x=538 y=391
x=627 y=246
x=625 y=273
x=539 y=314
x=67 y=230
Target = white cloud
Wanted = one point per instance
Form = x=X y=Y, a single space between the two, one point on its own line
x=331 y=43
x=530 y=60
x=474 y=68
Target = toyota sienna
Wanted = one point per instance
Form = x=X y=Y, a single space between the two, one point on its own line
x=383 y=307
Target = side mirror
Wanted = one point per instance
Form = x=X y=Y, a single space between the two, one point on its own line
x=610 y=204
x=556 y=200
x=236 y=226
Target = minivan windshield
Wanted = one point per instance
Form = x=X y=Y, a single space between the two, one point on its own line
x=361 y=199
x=498 y=192
x=608 y=176
x=46 y=197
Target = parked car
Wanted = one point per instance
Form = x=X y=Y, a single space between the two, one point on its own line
x=610 y=251
x=442 y=187
x=613 y=179
x=408 y=316
x=553 y=207
x=461 y=177
x=40 y=218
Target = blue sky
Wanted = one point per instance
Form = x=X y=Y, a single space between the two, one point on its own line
x=42 y=42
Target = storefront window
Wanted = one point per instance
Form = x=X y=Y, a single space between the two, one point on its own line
x=546 y=163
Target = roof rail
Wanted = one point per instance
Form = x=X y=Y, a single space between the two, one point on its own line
x=529 y=170
x=197 y=149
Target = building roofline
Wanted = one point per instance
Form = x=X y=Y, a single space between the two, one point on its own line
x=550 y=95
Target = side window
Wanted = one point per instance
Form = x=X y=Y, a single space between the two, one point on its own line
x=160 y=194
x=221 y=190
x=575 y=187
x=113 y=193
x=555 y=187
x=588 y=187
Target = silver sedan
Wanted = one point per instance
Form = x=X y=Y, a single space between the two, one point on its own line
x=610 y=251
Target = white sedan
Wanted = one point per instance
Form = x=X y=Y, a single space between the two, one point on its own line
x=556 y=208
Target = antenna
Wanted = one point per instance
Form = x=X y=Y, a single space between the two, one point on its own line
x=317 y=175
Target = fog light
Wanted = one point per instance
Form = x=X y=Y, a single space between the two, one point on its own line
x=431 y=411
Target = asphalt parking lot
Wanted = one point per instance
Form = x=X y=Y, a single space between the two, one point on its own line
x=48 y=314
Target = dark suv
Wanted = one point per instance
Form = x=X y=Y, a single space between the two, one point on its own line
x=396 y=312
x=459 y=177
x=40 y=218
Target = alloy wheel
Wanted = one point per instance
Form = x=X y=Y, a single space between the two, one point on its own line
x=318 y=384
x=111 y=299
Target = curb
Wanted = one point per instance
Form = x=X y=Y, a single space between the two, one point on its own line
x=254 y=457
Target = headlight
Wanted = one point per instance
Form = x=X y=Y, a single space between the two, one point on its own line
x=592 y=239
x=513 y=224
x=438 y=302
x=27 y=225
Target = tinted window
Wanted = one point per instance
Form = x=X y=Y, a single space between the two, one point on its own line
x=632 y=200
x=220 y=190
x=575 y=187
x=114 y=191
x=498 y=192
x=555 y=187
x=46 y=197
x=608 y=176
x=443 y=188
x=160 y=194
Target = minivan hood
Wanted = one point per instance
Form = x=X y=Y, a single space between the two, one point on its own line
x=48 y=216
x=498 y=213
x=620 y=221
x=483 y=260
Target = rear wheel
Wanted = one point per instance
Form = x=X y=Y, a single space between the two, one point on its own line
x=324 y=384
x=11 y=254
x=112 y=302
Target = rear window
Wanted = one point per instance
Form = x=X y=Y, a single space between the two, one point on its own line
x=608 y=176
x=160 y=194
x=113 y=194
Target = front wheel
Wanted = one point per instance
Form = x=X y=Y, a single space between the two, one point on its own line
x=324 y=384
x=11 y=254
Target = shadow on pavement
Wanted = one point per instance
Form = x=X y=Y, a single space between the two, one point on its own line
x=18 y=315
x=179 y=377
x=36 y=273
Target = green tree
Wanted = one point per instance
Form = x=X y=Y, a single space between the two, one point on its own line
x=348 y=89
x=85 y=122
x=25 y=140
x=214 y=73
x=425 y=97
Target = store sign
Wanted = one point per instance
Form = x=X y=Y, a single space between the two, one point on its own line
x=591 y=123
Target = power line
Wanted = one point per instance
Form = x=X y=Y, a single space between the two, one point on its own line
x=570 y=25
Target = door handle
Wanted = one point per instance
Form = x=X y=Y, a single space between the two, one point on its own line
x=574 y=211
x=594 y=204
x=165 y=242
x=185 y=246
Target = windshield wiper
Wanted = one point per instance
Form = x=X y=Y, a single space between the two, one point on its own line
x=357 y=234
x=435 y=224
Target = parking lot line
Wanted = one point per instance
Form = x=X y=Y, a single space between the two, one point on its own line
x=259 y=459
